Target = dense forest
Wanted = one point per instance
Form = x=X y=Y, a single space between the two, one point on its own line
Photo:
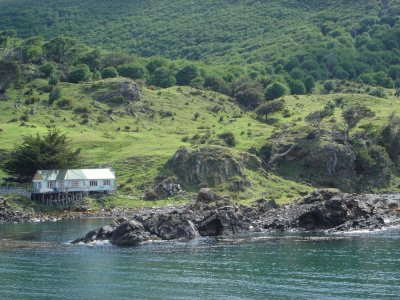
x=287 y=39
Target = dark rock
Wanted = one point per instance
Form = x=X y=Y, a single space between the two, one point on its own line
x=167 y=188
x=129 y=233
x=320 y=195
x=206 y=195
x=266 y=205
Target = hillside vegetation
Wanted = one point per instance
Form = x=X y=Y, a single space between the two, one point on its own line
x=325 y=39
x=256 y=99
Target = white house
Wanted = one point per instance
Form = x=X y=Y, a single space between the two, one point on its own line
x=70 y=181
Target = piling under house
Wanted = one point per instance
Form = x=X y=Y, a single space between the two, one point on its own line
x=72 y=184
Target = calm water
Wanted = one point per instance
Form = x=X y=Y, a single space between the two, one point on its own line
x=348 y=266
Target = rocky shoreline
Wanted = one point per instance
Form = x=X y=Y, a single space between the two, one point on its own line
x=9 y=215
x=212 y=215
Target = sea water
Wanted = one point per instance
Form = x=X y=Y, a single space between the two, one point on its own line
x=37 y=262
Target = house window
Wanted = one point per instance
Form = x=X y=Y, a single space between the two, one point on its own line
x=50 y=184
x=74 y=183
x=93 y=182
x=61 y=184
x=107 y=182
x=38 y=185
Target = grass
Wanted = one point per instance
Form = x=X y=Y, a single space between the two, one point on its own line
x=138 y=147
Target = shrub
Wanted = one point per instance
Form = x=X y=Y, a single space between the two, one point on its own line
x=276 y=90
x=133 y=71
x=297 y=87
x=163 y=77
x=329 y=85
x=186 y=75
x=109 y=72
x=55 y=94
x=79 y=74
x=64 y=103
x=228 y=138
x=379 y=92
x=47 y=69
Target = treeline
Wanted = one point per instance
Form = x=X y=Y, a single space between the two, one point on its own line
x=288 y=40
x=66 y=59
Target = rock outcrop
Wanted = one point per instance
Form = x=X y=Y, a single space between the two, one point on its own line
x=210 y=166
x=119 y=91
x=213 y=215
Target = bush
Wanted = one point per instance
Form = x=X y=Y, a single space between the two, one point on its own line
x=64 y=103
x=329 y=86
x=133 y=71
x=228 y=138
x=186 y=75
x=55 y=94
x=309 y=84
x=79 y=74
x=248 y=92
x=47 y=69
x=276 y=90
x=297 y=87
x=379 y=92
x=109 y=72
x=163 y=77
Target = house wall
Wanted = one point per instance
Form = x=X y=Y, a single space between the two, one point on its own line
x=67 y=186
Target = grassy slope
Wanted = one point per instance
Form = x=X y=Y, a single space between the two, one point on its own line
x=142 y=145
x=139 y=147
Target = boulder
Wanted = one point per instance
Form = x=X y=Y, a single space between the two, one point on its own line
x=167 y=188
x=118 y=90
x=206 y=195
x=225 y=222
x=129 y=233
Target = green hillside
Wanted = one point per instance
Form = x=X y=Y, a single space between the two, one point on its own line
x=271 y=99
x=340 y=39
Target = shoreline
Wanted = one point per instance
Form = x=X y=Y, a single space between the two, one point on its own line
x=212 y=216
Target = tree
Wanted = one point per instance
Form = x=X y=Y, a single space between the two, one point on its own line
x=276 y=90
x=390 y=137
x=270 y=107
x=163 y=77
x=248 y=92
x=216 y=84
x=57 y=48
x=353 y=115
x=186 y=75
x=133 y=71
x=297 y=87
x=156 y=63
x=109 y=72
x=50 y=151
x=79 y=74
x=9 y=73
x=329 y=86
x=309 y=84
x=5 y=36
x=47 y=69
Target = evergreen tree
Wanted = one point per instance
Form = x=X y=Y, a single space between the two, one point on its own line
x=50 y=151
